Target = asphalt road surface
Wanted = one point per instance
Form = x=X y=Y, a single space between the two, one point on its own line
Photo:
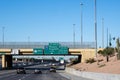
x=46 y=75
x=0 y=66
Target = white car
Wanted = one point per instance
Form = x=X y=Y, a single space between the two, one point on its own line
x=45 y=65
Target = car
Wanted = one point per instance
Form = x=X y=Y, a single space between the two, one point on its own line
x=53 y=64
x=37 y=71
x=52 y=69
x=21 y=70
x=45 y=65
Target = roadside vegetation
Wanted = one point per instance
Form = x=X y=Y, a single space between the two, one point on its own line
x=73 y=61
x=107 y=52
x=110 y=51
x=90 y=60
x=107 y=61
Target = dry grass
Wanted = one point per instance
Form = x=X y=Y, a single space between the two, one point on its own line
x=113 y=66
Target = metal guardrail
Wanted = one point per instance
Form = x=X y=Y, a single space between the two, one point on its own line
x=27 y=45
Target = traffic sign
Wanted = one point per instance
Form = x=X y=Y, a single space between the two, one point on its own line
x=15 y=51
x=55 y=48
x=38 y=51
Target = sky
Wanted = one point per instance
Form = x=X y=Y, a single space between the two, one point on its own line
x=52 y=20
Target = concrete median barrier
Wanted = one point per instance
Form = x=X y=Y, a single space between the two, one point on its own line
x=92 y=75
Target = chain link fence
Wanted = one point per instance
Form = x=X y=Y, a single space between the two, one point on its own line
x=28 y=45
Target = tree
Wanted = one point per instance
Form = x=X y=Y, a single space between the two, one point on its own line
x=108 y=51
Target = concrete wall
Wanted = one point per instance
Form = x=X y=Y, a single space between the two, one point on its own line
x=86 y=53
x=5 y=51
x=92 y=75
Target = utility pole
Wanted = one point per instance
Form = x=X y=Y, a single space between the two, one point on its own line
x=81 y=24
x=3 y=28
x=107 y=37
x=74 y=35
x=102 y=32
x=110 y=44
x=95 y=28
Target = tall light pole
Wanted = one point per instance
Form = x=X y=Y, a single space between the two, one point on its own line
x=107 y=37
x=95 y=28
x=3 y=28
x=110 y=40
x=74 y=35
x=81 y=24
x=102 y=32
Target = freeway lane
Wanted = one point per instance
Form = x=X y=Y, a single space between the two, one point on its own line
x=46 y=75
x=31 y=76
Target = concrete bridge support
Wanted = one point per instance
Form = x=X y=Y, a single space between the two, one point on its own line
x=6 y=61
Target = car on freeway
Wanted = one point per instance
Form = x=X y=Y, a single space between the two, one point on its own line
x=45 y=65
x=52 y=69
x=21 y=70
x=37 y=71
x=53 y=64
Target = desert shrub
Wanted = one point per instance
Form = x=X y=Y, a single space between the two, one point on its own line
x=102 y=65
x=100 y=52
x=100 y=60
x=90 y=60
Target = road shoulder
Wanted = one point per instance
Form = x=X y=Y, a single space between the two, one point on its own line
x=72 y=77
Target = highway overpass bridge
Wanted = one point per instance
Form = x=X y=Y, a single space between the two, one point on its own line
x=6 y=51
x=7 y=56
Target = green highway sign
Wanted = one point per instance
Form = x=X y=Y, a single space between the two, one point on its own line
x=38 y=51
x=55 y=48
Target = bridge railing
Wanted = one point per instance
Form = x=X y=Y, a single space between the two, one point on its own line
x=27 y=45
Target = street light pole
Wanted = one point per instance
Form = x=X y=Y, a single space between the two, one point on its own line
x=107 y=37
x=102 y=32
x=110 y=40
x=3 y=28
x=95 y=30
x=74 y=35
x=81 y=24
